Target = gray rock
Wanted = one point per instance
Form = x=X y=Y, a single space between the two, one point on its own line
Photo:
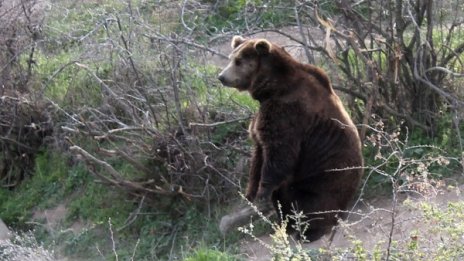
x=4 y=231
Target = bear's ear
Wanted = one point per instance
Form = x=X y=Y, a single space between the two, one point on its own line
x=236 y=41
x=263 y=47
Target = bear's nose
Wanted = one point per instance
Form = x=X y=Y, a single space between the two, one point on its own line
x=221 y=78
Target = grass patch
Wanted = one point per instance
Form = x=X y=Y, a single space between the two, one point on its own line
x=44 y=189
x=205 y=254
x=159 y=230
x=235 y=15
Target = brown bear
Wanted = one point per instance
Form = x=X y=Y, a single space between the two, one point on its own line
x=307 y=153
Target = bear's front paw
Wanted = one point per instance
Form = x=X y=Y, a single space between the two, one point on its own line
x=263 y=200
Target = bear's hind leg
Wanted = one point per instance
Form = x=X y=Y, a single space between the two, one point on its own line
x=321 y=215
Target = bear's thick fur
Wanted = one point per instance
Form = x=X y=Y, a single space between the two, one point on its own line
x=307 y=150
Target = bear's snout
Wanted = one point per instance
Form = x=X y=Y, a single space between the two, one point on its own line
x=225 y=80
x=221 y=78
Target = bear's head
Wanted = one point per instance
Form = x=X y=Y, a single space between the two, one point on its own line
x=249 y=59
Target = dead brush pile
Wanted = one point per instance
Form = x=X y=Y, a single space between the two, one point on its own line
x=24 y=126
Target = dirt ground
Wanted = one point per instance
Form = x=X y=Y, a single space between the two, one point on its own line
x=372 y=225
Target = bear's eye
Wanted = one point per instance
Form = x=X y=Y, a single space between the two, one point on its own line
x=238 y=62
